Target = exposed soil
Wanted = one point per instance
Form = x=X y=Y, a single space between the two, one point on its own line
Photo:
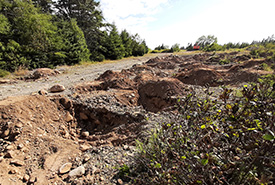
x=95 y=122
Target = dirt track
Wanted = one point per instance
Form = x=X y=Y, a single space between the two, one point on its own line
x=72 y=75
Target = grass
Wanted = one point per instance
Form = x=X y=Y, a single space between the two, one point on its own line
x=4 y=73
x=21 y=71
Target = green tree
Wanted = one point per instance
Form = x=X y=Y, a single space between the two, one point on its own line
x=205 y=41
x=45 y=5
x=4 y=25
x=74 y=48
x=36 y=40
x=175 y=48
x=89 y=18
x=127 y=43
x=113 y=45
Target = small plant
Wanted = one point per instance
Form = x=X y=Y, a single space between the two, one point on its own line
x=266 y=67
x=21 y=71
x=3 y=73
x=224 y=141
x=224 y=61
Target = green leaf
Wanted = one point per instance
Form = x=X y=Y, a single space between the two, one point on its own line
x=268 y=137
x=204 y=162
x=158 y=165
x=203 y=127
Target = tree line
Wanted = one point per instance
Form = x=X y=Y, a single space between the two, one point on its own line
x=210 y=43
x=46 y=33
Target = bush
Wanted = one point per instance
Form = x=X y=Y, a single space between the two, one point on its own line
x=225 y=141
x=3 y=73
x=175 y=48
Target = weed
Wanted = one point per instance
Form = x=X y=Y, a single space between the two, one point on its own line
x=3 y=73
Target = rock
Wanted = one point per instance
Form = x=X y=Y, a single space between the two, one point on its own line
x=83 y=116
x=9 y=147
x=85 y=134
x=43 y=92
x=126 y=147
x=20 y=146
x=1 y=159
x=119 y=181
x=26 y=178
x=4 y=81
x=13 y=171
x=79 y=171
x=101 y=178
x=68 y=117
x=65 y=168
x=57 y=88
x=10 y=154
x=32 y=179
x=43 y=72
x=66 y=102
x=17 y=162
x=19 y=125
x=6 y=133
x=84 y=147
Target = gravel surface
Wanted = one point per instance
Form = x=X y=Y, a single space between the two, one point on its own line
x=70 y=77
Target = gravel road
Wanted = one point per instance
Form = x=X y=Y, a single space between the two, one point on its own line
x=72 y=76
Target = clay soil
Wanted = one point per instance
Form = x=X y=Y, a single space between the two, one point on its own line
x=96 y=121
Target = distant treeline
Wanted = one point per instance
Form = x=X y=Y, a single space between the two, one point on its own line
x=46 y=33
x=209 y=43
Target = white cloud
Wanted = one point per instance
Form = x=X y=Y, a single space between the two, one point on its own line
x=230 y=21
x=133 y=15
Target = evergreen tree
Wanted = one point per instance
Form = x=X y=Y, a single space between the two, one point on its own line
x=127 y=43
x=113 y=46
x=89 y=18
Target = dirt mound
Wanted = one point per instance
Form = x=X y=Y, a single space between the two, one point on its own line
x=200 y=76
x=35 y=131
x=43 y=73
x=154 y=96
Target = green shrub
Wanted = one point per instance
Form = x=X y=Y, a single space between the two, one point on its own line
x=225 y=141
x=3 y=73
x=224 y=61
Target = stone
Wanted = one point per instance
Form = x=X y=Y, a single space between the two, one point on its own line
x=20 y=146
x=66 y=102
x=9 y=147
x=119 y=181
x=57 y=88
x=84 y=147
x=85 y=134
x=77 y=172
x=4 y=81
x=43 y=72
x=83 y=116
x=101 y=178
x=26 y=178
x=32 y=179
x=6 y=133
x=13 y=171
x=68 y=117
x=43 y=92
x=1 y=159
x=17 y=162
x=10 y=154
x=65 y=168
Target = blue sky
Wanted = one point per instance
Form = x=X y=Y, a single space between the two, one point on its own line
x=183 y=21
